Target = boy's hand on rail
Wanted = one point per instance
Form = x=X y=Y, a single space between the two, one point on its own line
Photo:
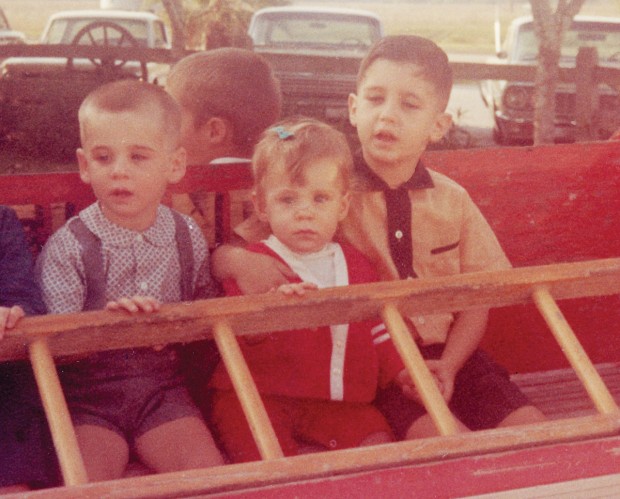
x=9 y=317
x=135 y=304
x=296 y=288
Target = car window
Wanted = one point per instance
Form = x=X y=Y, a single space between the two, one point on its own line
x=318 y=30
x=604 y=36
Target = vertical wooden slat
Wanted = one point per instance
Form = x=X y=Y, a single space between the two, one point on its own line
x=253 y=407
x=576 y=355
x=57 y=412
x=419 y=372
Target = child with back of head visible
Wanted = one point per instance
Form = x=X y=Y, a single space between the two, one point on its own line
x=129 y=252
x=413 y=222
x=317 y=384
x=228 y=97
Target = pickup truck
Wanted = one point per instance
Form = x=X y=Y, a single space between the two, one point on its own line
x=39 y=93
x=315 y=53
x=564 y=245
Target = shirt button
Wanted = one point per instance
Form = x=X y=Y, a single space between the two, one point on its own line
x=144 y=286
x=398 y=234
x=421 y=320
x=333 y=443
x=139 y=238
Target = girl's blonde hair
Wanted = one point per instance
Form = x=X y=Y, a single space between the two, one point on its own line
x=296 y=143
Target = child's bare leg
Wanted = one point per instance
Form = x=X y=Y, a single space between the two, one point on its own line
x=105 y=452
x=380 y=437
x=523 y=415
x=183 y=444
x=425 y=427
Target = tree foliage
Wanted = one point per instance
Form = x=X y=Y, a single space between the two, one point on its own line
x=550 y=26
x=198 y=24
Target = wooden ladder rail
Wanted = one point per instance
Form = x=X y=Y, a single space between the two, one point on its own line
x=100 y=330
x=243 y=383
x=57 y=413
x=574 y=352
x=420 y=374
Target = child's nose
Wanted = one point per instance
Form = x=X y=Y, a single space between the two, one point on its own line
x=388 y=110
x=119 y=167
x=304 y=210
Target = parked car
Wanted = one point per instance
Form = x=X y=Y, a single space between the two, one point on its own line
x=39 y=96
x=315 y=53
x=312 y=28
x=512 y=102
x=7 y=35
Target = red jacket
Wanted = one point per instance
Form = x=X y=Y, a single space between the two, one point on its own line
x=297 y=364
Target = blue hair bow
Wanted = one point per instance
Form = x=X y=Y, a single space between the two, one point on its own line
x=283 y=133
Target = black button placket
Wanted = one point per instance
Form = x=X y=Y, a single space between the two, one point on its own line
x=398 y=207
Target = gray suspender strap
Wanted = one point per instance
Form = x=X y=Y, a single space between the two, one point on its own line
x=93 y=261
x=186 y=256
x=93 y=264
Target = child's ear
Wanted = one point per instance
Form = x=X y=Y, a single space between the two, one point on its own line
x=258 y=209
x=178 y=165
x=441 y=127
x=83 y=165
x=217 y=130
x=352 y=103
x=344 y=206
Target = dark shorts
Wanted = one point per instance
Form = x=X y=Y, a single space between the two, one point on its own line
x=329 y=424
x=483 y=395
x=146 y=394
x=27 y=454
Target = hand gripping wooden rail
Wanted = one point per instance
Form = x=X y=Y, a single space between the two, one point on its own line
x=42 y=338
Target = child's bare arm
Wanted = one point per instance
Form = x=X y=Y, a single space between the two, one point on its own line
x=135 y=304
x=463 y=339
x=9 y=316
x=253 y=272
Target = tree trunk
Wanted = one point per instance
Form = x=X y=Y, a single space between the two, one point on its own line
x=549 y=27
x=174 y=8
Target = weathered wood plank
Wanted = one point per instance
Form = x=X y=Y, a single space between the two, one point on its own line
x=335 y=464
x=84 y=332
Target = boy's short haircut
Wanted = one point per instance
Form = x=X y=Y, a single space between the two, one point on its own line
x=298 y=142
x=424 y=53
x=232 y=83
x=131 y=95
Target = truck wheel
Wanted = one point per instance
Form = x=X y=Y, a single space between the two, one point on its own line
x=106 y=34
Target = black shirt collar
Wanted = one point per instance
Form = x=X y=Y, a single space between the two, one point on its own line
x=421 y=178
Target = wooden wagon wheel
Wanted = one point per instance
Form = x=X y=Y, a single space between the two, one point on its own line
x=106 y=34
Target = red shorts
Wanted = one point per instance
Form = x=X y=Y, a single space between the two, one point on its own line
x=329 y=424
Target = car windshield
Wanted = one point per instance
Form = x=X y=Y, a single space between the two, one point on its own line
x=604 y=36
x=316 y=31
x=65 y=31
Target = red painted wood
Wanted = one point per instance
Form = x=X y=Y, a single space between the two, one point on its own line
x=461 y=477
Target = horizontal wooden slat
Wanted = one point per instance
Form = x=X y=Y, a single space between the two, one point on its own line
x=101 y=330
x=336 y=463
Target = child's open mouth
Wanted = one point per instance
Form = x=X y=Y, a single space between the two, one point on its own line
x=384 y=136
x=121 y=194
